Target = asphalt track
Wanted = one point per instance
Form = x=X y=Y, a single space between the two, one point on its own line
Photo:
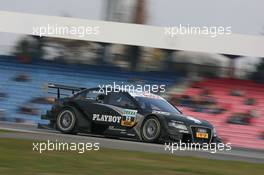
x=31 y=132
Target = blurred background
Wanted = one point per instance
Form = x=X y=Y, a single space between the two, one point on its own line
x=226 y=90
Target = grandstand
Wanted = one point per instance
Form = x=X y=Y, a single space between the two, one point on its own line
x=42 y=72
x=239 y=135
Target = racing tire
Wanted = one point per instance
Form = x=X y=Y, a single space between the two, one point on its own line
x=151 y=130
x=66 y=121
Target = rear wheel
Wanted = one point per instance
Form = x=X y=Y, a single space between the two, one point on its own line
x=66 y=120
x=150 y=130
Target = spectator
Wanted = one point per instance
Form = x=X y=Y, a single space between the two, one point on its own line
x=262 y=135
x=43 y=100
x=250 y=101
x=237 y=92
x=175 y=100
x=201 y=103
x=205 y=92
x=186 y=100
x=214 y=109
x=239 y=118
x=3 y=95
x=243 y=118
x=198 y=105
x=28 y=109
x=2 y=115
x=21 y=78
x=253 y=113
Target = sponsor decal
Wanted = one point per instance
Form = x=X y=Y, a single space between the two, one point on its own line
x=128 y=117
x=130 y=112
x=106 y=118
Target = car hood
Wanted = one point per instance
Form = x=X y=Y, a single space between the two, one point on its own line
x=187 y=120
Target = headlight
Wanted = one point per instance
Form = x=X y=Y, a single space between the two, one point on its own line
x=177 y=125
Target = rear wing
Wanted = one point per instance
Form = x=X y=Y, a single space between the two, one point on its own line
x=60 y=87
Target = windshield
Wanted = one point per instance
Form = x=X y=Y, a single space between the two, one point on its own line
x=156 y=105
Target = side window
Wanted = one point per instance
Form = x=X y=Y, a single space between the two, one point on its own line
x=89 y=95
x=121 y=100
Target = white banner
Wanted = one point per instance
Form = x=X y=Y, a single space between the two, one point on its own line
x=131 y=34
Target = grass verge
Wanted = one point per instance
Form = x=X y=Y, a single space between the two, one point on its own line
x=17 y=157
x=5 y=131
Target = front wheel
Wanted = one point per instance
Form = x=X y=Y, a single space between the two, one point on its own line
x=66 y=120
x=151 y=130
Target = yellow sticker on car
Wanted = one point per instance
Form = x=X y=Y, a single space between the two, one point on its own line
x=202 y=135
x=129 y=117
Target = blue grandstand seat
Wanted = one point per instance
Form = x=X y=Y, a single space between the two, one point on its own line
x=41 y=72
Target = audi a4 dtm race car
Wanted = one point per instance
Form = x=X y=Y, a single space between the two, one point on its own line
x=142 y=116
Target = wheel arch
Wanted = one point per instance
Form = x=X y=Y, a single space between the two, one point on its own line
x=82 y=123
x=160 y=118
x=161 y=121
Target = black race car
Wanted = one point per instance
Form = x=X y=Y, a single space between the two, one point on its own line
x=143 y=116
